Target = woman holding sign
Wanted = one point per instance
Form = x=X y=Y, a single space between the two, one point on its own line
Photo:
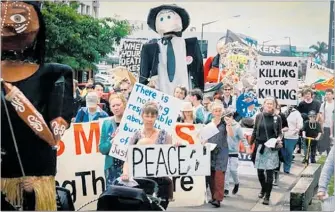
x=113 y=166
x=219 y=156
x=150 y=135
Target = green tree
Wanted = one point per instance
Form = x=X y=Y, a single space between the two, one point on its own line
x=80 y=41
x=320 y=48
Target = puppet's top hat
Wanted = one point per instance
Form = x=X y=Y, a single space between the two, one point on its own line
x=185 y=18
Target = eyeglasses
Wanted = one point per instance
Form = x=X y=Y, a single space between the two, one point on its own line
x=227 y=89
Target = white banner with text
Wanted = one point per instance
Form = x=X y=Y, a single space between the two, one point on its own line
x=278 y=77
x=80 y=168
x=168 y=160
x=132 y=121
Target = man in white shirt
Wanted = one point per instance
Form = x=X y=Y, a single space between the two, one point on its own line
x=327 y=117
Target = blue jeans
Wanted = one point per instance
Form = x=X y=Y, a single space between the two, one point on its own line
x=288 y=153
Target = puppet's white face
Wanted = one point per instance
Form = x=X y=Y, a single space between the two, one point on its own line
x=168 y=21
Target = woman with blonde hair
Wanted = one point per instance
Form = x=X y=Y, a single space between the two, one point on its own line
x=187 y=115
x=267 y=126
x=113 y=166
x=219 y=156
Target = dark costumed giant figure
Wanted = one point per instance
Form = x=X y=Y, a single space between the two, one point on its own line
x=173 y=60
x=36 y=108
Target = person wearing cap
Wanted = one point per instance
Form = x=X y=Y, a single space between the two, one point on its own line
x=304 y=107
x=187 y=115
x=92 y=111
x=311 y=129
x=233 y=145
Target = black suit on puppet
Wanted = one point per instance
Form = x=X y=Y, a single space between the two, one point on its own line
x=173 y=61
x=150 y=62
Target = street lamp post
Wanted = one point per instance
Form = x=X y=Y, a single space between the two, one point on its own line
x=202 y=32
x=208 y=23
x=264 y=42
x=289 y=40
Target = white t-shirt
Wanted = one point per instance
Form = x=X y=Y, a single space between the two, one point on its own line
x=295 y=123
x=327 y=113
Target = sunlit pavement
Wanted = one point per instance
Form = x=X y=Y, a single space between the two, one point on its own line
x=247 y=197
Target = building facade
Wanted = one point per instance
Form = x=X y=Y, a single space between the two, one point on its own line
x=86 y=7
x=89 y=8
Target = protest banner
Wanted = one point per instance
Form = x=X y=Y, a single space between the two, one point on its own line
x=80 y=165
x=246 y=166
x=130 y=54
x=168 y=160
x=188 y=190
x=132 y=121
x=316 y=72
x=186 y=133
x=278 y=77
x=80 y=168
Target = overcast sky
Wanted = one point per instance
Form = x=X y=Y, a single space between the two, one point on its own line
x=305 y=22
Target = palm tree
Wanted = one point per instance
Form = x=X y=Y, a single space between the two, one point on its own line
x=319 y=49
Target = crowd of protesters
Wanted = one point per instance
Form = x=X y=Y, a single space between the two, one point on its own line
x=307 y=126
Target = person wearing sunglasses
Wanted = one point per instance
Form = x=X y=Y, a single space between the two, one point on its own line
x=125 y=88
x=229 y=101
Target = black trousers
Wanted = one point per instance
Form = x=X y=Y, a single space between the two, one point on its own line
x=28 y=202
x=324 y=143
x=265 y=178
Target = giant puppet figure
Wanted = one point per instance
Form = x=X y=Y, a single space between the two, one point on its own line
x=36 y=108
x=173 y=60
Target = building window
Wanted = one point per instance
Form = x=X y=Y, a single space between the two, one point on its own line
x=88 y=10
x=334 y=24
x=82 y=9
x=333 y=42
x=333 y=59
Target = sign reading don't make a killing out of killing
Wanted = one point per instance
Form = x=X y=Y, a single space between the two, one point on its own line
x=278 y=77
x=169 y=108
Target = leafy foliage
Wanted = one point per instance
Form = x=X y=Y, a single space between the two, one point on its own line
x=78 y=40
x=320 y=49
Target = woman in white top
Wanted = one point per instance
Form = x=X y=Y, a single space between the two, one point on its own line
x=291 y=135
